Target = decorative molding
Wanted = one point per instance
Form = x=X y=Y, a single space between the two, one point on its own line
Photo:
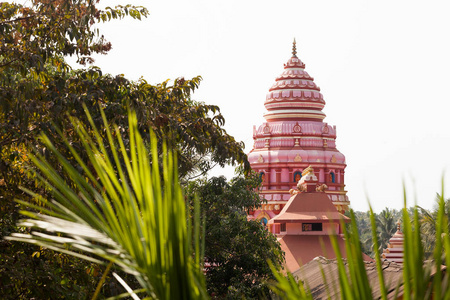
x=263 y=214
x=260 y=158
x=298 y=158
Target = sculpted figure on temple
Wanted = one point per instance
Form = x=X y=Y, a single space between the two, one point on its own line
x=293 y=192
x=321 y=188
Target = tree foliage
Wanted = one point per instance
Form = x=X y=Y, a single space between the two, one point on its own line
x=38 y=89
x=131 y=216
x=386 y=222
x=33 y=74
x=45 y=30
x=387 y=225
x=387 y=219
x=236 y=249
x=428 y=220
x=39 y=92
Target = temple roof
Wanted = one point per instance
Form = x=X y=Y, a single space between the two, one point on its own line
x=309 y=204
x=312 y=274
x=294 y=95
x=307 y=207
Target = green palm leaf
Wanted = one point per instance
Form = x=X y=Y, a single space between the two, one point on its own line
x=119 y=209
x=422 y=279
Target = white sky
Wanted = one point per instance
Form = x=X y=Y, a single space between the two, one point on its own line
x=383 y=68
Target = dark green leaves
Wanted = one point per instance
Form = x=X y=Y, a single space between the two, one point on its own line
x=119 y=208
x=238 y=249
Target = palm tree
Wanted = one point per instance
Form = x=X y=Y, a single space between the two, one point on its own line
x=428 y=224
x=119 y=210
x=386 y=226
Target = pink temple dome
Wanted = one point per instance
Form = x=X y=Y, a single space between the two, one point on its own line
x=294 y=94
x=294 y=137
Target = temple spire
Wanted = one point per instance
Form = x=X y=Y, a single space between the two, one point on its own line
x=294 y=49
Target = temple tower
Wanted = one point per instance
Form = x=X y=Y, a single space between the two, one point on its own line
x=294 y=137
x=394 y=251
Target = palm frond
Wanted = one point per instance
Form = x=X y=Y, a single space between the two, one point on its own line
x=119 y=209
x=422 y=279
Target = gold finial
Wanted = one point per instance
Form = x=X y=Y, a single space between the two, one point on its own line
x=294 y=49
x=398 y=225
x=308 y=170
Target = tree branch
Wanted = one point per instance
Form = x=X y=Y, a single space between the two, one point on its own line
x=17 y=20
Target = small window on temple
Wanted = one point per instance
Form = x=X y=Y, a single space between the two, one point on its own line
x=262 y=176
x=297 y=176
x=311 y=226
x=264 y=221
x=332 y=177
x=283 y=227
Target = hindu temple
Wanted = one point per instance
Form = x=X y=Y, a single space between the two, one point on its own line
x=306 y=222
x=293 y=137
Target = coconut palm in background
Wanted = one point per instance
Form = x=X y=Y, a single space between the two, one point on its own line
x=117 y=208
x=428 y=220
x=386 y=221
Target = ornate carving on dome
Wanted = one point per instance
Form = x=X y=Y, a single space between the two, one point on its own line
x=333 y=159
x=293 y=192
x=325 y=143
x=325 y=129
x=260 y=159
x=297 y=128
x=321 y=188
x=301 y=188
x=266 y=129
x=298 y=158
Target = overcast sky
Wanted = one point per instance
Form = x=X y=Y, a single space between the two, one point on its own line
x=382 y=66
